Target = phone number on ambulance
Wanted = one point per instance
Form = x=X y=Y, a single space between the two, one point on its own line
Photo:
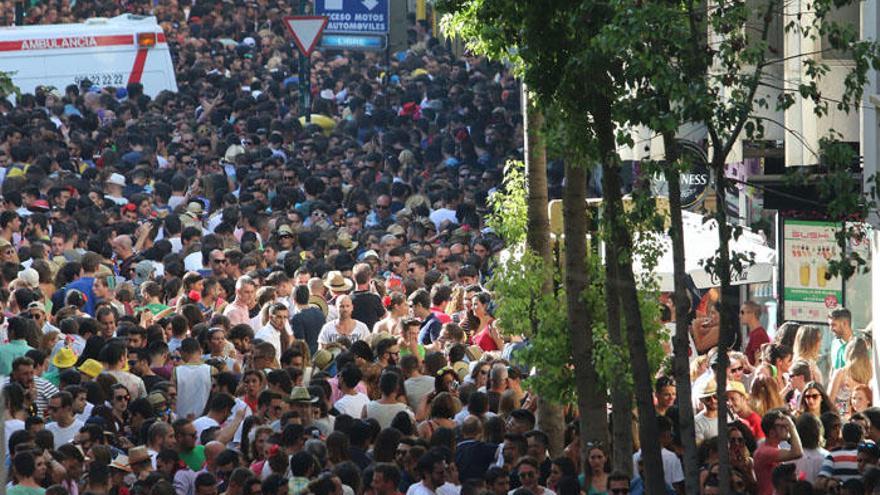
x=107 y=79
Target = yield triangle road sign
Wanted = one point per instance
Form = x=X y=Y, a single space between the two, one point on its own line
x=306 y=30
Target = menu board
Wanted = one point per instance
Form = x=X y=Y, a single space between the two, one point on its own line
x=809 y=291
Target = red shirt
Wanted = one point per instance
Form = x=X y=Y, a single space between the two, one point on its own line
x=754 y=422
x=765 y=461
x=757 y=338
x=442 y=316
x=485 y=341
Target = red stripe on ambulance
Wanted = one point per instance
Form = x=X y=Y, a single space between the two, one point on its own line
x=65 y=42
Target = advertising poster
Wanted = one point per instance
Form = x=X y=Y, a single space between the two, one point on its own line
x=808 y=293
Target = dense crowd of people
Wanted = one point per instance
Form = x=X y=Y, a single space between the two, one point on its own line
x=800 y=415
x=203 y=293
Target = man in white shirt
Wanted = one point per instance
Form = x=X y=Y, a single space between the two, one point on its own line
x=218 y=410
x=277 y=331
x=673 y=474
x=64 y=425
x=432 y=468
x=706 y=423
x=352 y=402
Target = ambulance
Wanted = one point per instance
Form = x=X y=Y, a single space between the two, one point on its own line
x=108 y=52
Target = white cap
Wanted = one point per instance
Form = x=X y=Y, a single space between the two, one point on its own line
x=117 y=179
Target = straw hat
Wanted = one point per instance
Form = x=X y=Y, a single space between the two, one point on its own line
x=336 y=282
x=121 y=463
x=301 y=394
x=138 y=454
x=735 y=386
x=710 y=390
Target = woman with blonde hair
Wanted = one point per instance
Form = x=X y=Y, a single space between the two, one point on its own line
x=807 y=342
x=856 y=372
x=764 y=395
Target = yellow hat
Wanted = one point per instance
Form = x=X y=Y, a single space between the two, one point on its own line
x=735 y=386
x=91 y=368
x=65 y=358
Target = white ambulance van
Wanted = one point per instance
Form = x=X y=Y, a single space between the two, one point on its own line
x=109 y=52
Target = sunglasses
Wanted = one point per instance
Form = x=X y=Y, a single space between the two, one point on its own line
x=527 y=474
x=222 y=262
x=738 y=369
x=382 y=207
x=812 y=396
x=121 y=397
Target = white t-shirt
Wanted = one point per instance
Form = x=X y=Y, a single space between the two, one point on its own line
x=449 y=489
x=329 y=333
x=440 y=215
x=672 y=471
x=419 y=489
x=269 y=334
x=64 y=435
x=12 y=426
x=385 y=413
x=193 y=262
x=547 y=491
x=353 y=405
x=203 y=423
x=416 y=390
x=176 y=244
x=704 y=427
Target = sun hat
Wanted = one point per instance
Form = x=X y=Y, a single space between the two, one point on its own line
x=336 y=282
x=64 y=358
x=735 y=386
x=343 y=240
x=91 y=367
x=322 y=359
x=157 y=399
x=138 y=454
x=396 y=230
x=301 y=394
x=117 y=179
x=121 y=463
x=710 y=390
x=368 y=254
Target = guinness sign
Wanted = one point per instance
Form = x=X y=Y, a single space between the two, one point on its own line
x=694 y=178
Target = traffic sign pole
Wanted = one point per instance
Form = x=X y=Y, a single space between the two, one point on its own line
x=305 y=78
x=306 y=31
x=305 y=88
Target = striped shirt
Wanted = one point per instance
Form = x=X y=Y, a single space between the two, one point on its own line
x=841 y=465
x=45 y=390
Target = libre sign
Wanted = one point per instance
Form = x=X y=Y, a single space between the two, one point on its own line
x=354 y=16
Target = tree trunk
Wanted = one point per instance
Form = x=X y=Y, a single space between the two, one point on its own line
x=621 y=395
x=550 y=417
x=592 y=399
x=726 y=324
x=619 y=250
x=680 y=347
x=538 y=227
